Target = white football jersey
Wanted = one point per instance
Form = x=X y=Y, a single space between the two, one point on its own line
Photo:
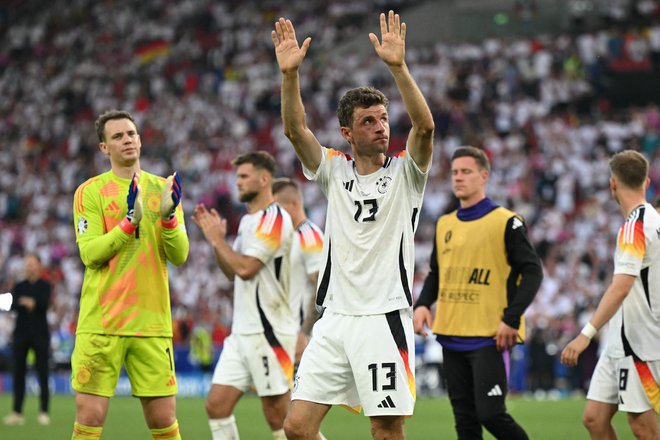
x=368 y=253
x=635 y=328
x=305 y=260
x=263 y=303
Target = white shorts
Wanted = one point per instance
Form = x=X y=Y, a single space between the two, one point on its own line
x=360 y=362
x=253 y=360
x=633 y=386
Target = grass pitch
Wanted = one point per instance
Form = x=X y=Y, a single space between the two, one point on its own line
x=543 y=420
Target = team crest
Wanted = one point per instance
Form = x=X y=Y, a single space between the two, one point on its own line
x=82 y=225
x=383 y=184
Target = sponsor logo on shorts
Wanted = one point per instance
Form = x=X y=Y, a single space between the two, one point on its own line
x=387 y=403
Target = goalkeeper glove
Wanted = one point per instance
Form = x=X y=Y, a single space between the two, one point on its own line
x=171 y=197
x=134 y=201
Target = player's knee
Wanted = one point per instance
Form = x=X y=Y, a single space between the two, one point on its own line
x=592 y=421
x=386 y=427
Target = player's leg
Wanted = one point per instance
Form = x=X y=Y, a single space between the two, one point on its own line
x=382 y=353
x=324 y=378
x=490 y=390
x=303 y=420
x=275 y=409
x=638 y=396
x=271 y=367
x=387 y=427
x=231 y=378
x=602 y=400
x=149 y=365
x=96 y=363
x=644 y=425
x=597 y=418
x=460 y=389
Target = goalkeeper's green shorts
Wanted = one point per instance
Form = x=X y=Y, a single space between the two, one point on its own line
x=97 y=360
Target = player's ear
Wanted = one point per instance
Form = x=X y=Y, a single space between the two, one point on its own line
x=104 y=148
x=346 y=134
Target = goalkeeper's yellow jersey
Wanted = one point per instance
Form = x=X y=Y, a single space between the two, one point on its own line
x=125 y=290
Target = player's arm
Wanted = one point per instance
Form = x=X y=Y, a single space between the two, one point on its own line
x=173 y=232
x=428 y=296
x=311 y=314
x=95 y=246
x=525 y=266
x=289 y=57
x=392 y=50
x=609 y=304
x=230 y=262
x=42 y=300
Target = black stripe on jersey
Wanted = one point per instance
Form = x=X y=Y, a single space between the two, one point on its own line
x=278 y=267
x=644 y=275
x=325 y=281
x=627 y=349
x=414 y=217
x=388 y=161
x=268 y=328
x=396 y=327
x=404 y=274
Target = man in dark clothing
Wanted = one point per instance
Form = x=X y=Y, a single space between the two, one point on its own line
x=484 y=274
x=31 y=298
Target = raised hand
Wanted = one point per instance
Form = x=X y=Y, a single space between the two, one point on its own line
x=171 y=197
x=392 y=47
x=289 y=54
x=212 y=225
x=134 y=201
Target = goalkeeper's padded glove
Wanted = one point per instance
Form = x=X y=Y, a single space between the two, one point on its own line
x=171 y=197
x=134 y=201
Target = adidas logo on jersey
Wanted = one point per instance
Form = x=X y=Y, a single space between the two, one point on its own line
x=495 y=391
x=387 y=403
x=348 y=186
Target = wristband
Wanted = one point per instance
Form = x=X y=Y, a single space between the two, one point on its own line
x=589 y=330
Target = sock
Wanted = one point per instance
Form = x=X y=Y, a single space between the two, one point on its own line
x=279 y=435
x=169 y=433
x=224 y=429
x=322 y=436
x=84 y=432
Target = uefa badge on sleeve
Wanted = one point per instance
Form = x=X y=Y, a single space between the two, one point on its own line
x=82 y=225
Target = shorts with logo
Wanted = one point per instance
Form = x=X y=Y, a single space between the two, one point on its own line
x=97 y=360
x=630 y=384
x=264 y=361
x=360 y=362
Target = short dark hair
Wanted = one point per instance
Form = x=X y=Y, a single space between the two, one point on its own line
x=363 y=97
x=110 y=115
x=258 y=159
x=630 y=168
x=477 y=153
x=281 y=183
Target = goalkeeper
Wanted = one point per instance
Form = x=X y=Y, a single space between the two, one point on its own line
x=128 y=223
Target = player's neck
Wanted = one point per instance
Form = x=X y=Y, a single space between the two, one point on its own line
x=260 y=202
x=369 y=165
x=631 y=201
x=126 y=172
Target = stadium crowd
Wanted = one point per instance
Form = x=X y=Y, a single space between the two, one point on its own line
x=201 y=79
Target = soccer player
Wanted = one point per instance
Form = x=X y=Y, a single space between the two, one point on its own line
x=31 y=298
x=305 y=257
x=261 y=348
x=484 y=274
x=628 y=372
x=361 y=354
x=129 y=224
